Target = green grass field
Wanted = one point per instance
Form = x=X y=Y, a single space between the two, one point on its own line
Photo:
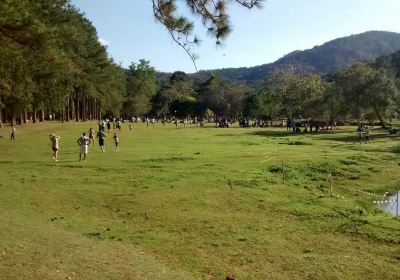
x=197 y=203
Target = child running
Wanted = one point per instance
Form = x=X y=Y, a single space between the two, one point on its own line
x=116 y=141
x=54 y=145
x=108 y=126
x=91 y=136
x=13 y=133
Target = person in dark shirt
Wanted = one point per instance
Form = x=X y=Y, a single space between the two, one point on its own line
x=102 y=135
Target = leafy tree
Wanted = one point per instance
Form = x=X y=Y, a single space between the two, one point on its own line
x=287 y=90
x=269 y=105
x=161 y=102
x=333 y=103
x=353 y=83
x=51 y=61
x=178 y=97
x=141 y=86
x=313 y=90
x=222 y=97
x=382 y=94
x=368 y=91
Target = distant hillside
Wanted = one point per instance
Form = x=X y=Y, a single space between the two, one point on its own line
x=328 y=58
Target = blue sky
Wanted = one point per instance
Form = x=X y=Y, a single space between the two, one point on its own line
x=259 y=36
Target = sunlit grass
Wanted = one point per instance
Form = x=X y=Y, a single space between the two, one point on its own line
x=199 y=203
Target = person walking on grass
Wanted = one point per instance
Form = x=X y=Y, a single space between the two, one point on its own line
x=54 y=145
x=119 y=125
x=360 y=133
x=102 y=135
x=13 y=133
x=367 y=135
x=83 y=142
x=116 y=141
x=108 y=126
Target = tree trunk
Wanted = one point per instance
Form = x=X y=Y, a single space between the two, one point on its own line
x=76 y=106
x=25 y=117
x=34 y=115
x=62 y=114
x=67 y=112
x=72 y=108
x=380 y=118
x=90 y=108
x=84 y=108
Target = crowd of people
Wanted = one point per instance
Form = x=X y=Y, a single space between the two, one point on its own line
x=85 y=141
x=115 y=124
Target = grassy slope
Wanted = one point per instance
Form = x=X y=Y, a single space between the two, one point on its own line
x=194 y=203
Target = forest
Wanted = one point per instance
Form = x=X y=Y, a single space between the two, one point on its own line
x=51 y=62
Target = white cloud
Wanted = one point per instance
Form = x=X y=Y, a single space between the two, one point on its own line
x=104 y=42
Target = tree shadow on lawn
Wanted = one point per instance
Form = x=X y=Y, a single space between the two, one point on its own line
x=36 y=162
x=286 y=133
x=354 y=138
x=272 y=133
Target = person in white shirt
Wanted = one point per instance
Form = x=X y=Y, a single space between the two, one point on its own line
x=83 y=142
x=54 y=145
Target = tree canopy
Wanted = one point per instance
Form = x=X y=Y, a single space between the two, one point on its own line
x=52 y=61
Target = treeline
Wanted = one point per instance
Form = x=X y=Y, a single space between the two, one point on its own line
x=51 y=62
x=362 y=92
x=177 y=95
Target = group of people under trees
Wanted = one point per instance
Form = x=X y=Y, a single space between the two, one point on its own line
x=309 y=125
x=290 y=124
x=151 y=121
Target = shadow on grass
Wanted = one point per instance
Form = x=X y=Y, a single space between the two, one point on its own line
x=354 y=138
x=286 y=133
x=51 y=163
x=272 y=133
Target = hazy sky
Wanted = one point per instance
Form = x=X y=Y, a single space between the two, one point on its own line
x=259 y=36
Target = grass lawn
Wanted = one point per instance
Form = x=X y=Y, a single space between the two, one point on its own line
x=197 y=203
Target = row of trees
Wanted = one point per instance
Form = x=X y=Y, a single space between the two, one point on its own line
x=52 y=62
x=178 y=95
x=364 y=92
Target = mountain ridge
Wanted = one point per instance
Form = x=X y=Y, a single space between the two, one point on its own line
x=327 y=58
